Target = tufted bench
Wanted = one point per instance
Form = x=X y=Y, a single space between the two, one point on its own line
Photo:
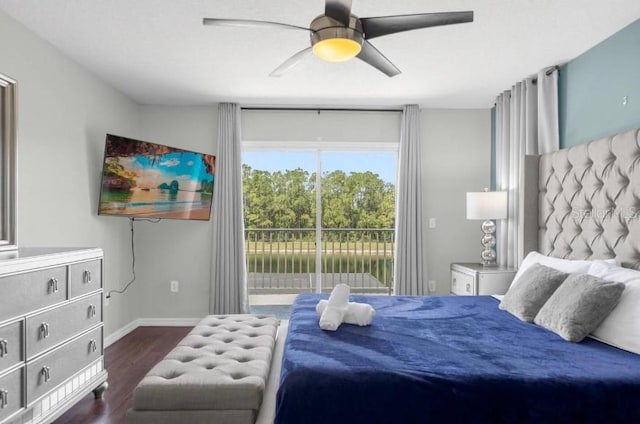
x=216 y=374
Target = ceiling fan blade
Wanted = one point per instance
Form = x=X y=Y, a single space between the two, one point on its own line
x=373 y=57
x=291 y=62
x=249 y=23
x=384 y=25
x=339 y=10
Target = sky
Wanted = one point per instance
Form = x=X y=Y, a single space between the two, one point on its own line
x=381 y=163
x=185 y=167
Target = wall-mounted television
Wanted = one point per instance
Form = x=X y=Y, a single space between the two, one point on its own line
x=148 y=180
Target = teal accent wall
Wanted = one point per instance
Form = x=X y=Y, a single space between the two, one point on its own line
x=591 y=88
x=493 y=149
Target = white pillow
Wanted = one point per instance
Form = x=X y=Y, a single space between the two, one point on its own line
x=567 y=266
x=613 y=272
x=622 y=327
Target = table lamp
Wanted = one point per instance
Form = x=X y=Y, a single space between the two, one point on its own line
x=487 y=205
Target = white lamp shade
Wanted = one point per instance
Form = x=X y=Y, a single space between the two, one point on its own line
x=487 y=205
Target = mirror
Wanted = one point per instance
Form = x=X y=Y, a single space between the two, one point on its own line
x=8 y=162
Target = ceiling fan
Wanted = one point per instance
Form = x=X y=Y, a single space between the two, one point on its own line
x=338 y=35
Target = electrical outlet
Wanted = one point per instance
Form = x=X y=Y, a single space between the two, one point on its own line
x=432 y=223
x=175 y=286
x=432 y=286
x=625 y=100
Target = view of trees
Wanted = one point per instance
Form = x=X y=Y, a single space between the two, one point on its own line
x=287 y=199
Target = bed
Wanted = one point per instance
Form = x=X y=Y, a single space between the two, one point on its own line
x=448 y=359
x=461 y=359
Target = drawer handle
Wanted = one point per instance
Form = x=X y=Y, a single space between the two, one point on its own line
x=53 y=285
x=93 y=346
x=45 y=373
x=86 y=276
x=92 y=311
x=4 y=350
x=4 y=398
x=44 y=330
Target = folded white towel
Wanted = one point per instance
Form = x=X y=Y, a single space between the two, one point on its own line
x=357 y=313
x=333 y=314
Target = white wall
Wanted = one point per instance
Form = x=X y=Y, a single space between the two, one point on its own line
x=175 y=249
x=456 y=159
x=63 y=115
x=324 y=126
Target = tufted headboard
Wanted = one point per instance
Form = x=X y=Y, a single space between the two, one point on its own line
x=584 y=202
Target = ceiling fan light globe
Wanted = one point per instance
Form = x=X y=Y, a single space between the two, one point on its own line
x=336 y=49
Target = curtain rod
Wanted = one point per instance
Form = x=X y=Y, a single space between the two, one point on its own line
x=318 y=109
x=553 y=68
x=534 y=81
x=548 y=72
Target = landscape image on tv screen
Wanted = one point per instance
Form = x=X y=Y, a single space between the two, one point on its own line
x=148 y=180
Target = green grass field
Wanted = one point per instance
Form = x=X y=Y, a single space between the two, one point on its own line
x=380 y=266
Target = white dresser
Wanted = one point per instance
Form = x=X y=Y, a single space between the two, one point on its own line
x=51 y=332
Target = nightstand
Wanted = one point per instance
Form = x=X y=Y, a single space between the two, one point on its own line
x=476 y=279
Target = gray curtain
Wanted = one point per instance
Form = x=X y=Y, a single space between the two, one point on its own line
x=548 y=118
x=228 y=268
x=526 y=124
x=410 y=271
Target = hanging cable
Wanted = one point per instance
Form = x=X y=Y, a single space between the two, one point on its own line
x=133 y=256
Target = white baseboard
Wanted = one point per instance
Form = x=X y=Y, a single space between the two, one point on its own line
x=148 y=322
x=168 y=322
x=120 y=333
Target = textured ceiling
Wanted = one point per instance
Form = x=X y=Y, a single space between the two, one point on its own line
x=158 y=51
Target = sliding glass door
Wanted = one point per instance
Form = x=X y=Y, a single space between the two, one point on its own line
x=315 y=218
x=358 y=215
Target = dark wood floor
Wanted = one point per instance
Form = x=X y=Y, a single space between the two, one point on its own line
x=127 y=361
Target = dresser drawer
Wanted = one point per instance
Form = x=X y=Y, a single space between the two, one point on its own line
x=11 y=350
x=23 y=293
x=462 y=284
x=45 y=373
x=85 y=277
x=49 y=328
x=11 y=397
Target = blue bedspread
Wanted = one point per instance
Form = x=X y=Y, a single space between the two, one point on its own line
x=449 y=359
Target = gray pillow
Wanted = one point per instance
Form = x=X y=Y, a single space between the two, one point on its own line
x=579 y=305
x=534 y=287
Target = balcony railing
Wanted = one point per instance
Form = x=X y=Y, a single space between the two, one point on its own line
x=283 y=261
